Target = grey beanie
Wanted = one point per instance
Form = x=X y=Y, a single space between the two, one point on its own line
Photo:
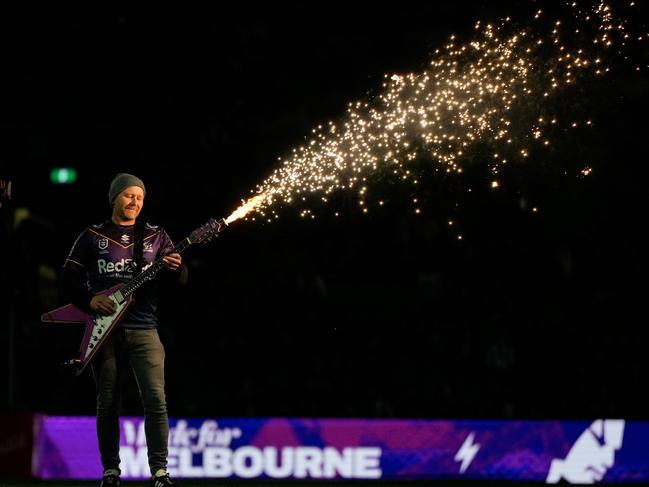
x=121 y=182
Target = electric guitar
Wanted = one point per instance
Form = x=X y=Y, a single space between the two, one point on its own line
x=98 y=327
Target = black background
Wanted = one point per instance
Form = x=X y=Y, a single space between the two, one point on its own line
x=530 y=315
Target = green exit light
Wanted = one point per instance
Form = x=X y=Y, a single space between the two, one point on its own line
x=63 y=175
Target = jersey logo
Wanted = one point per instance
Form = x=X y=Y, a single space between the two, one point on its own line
x=125 y=238
x=123 y=265
x=103 y=243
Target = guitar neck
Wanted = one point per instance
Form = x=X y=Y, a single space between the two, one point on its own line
x=151 y=271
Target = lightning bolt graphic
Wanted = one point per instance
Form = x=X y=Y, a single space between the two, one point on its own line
x=467 y=452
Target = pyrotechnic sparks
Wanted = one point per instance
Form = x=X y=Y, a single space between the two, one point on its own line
x=495 y=91
x=245 y=208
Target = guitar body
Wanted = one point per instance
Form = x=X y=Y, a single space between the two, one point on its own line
x=98 y=328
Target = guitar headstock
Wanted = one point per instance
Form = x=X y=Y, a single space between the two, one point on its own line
x=205 y=232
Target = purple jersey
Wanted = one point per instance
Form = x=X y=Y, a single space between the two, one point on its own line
x=104 y=253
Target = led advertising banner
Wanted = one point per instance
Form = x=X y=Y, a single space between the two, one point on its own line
x=603 y=450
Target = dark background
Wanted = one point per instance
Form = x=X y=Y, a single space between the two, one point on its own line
x=530 y=315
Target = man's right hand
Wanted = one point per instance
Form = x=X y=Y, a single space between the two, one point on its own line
x=102 y=305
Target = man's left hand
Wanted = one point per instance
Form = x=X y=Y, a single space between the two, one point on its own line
x=172 y=261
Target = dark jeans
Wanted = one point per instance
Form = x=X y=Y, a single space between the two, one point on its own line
x=141 y=351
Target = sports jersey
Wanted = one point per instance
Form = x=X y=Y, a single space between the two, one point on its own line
x=104 y=253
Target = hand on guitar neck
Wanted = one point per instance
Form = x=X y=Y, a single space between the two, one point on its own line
x=172 y=261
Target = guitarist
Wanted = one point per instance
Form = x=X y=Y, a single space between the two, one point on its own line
x=102 y=256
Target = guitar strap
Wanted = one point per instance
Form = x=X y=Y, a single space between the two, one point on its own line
x=138 y=248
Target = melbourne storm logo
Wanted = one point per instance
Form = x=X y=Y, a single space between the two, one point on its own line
x=591 y=455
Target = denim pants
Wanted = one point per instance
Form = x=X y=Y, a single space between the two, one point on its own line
x=141 y=351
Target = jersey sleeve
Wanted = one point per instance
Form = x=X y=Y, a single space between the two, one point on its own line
x=166 y=245
x=79 y=257
x=73 y=281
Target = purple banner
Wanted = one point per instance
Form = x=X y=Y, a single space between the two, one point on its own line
x=547 y=451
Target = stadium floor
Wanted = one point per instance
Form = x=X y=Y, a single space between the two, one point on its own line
x=293 y=483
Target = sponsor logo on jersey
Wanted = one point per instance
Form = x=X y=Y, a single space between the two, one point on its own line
x=123 y=265
x=125 y=238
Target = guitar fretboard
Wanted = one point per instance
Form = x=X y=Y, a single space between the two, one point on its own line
x=152 y=270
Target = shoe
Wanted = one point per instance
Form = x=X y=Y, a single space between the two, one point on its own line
x=110 y=480
x=163 y=481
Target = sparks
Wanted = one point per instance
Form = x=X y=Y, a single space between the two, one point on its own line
x=471 y=95
x=245 y=208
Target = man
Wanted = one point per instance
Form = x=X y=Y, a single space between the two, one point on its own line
x=102 y=256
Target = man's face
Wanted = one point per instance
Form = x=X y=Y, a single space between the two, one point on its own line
x=128 y=204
